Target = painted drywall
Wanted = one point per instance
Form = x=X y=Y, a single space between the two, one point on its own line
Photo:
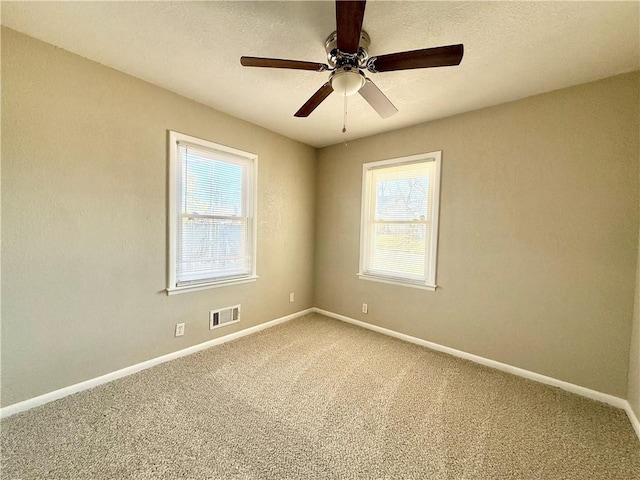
x=538 y=240
x=538 y=233
x=84 y=242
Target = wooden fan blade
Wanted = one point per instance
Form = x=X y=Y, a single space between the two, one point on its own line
x=349 y=15
x=374 y=97
x=429 y=57
x=315 y=100
x=280 y=63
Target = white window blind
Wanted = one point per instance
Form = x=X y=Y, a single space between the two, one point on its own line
x=400 y=220
x=213 y=224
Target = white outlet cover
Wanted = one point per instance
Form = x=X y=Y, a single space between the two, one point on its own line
x=179 y=329
x=292 y=297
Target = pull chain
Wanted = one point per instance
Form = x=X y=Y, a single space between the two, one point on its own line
x=344 y=121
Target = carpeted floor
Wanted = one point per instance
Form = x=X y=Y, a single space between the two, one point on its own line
x=318 y=398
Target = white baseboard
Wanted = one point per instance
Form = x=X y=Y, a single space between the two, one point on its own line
x=94 y=382
x=633 y=418
x=570 y=387
x=536 y=377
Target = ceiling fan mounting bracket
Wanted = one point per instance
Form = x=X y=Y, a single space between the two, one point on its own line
x=338 y=59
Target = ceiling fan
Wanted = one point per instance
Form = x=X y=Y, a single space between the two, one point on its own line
x=347 y=55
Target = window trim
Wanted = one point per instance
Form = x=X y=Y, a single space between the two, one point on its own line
x=366 y=204
x=173 y=215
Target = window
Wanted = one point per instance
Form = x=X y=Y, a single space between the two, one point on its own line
x=399 y=231
x=212 y=225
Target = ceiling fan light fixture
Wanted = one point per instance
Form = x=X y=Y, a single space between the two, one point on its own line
x=347 y=51
x=347 y=82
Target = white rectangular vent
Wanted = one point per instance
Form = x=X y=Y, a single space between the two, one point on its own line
x=224 y=316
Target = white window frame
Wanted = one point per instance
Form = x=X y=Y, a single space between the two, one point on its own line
x=176 y=138
x=366 y=216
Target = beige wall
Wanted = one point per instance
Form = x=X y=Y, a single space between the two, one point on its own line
x=538 y=233
x=84 y=221
x=538 y=229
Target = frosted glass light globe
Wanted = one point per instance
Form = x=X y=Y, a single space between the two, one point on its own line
x=347 y=82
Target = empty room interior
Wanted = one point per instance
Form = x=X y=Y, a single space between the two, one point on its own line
x=272 y=240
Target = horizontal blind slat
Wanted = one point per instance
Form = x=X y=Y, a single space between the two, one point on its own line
x=399 y=224
x=214 y=236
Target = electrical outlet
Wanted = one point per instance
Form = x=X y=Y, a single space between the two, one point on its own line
x=179 y=329
x=292 y=297
x=365 y=308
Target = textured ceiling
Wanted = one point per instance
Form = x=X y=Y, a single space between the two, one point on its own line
x=512 y=50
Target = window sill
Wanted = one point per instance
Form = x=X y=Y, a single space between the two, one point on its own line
x=396 y=281
x=206 y=286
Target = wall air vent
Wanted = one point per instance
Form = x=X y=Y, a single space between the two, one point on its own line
x=224 y=316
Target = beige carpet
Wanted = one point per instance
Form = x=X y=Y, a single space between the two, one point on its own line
x=317 y=398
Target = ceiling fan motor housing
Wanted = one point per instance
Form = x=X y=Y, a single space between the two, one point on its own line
x=337 y=59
